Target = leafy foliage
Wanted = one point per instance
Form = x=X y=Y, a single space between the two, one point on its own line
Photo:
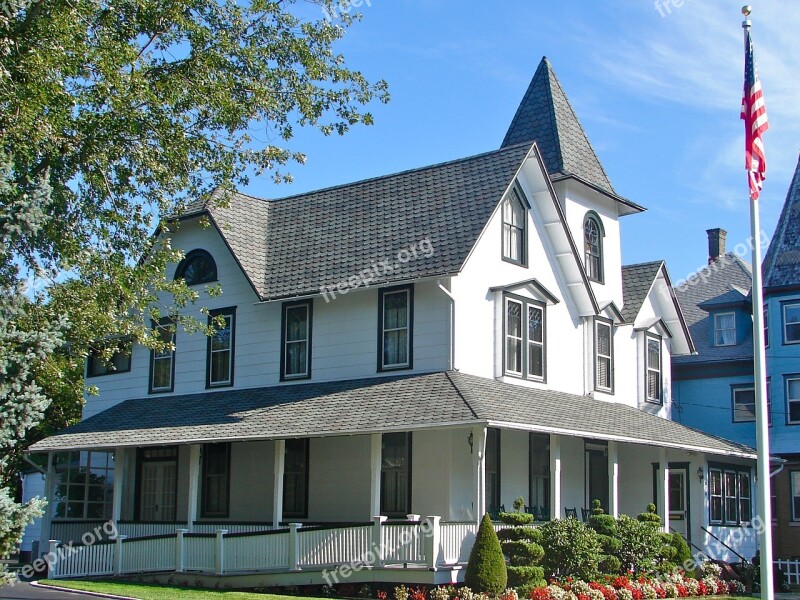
x=571 y=549
x=606 y=528
x=486 y=569
x=641 y=545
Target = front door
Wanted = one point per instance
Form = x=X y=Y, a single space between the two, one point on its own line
x=158 y=491
x=679 y=502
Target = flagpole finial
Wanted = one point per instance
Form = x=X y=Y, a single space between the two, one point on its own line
x=746 y=10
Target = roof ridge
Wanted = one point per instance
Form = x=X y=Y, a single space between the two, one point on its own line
x=644 y=264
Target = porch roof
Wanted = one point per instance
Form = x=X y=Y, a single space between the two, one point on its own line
x=399 y=403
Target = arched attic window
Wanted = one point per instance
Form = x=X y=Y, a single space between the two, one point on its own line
x=593 y=234
x=198 y=267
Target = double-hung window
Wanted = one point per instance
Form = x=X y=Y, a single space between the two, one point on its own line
x=744 y=404
x=514 y=218
x=765 y=314
x=604 y=355
x=162 y=361
x=730 y=499
x=395 y=328
x=221 y=347
x=791 y=323
x=106 y=360
x=795 y=485
x=725 y=329
x=524 y=338
x=296 y=344
x=793 y=399
x=653 y=385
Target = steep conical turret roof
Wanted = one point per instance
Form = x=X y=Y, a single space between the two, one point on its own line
x=781 y=266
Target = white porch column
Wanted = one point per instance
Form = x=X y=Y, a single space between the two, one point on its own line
x=555 y=476
x=119 y=480
x=194 y=485
x=49 y=493
x=613 y=479
x=664 y=488
x=375 y=457
x=479 y=444
x=277 y=487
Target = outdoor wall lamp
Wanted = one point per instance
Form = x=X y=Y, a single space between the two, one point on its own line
x=470 y=441
x=700 y=473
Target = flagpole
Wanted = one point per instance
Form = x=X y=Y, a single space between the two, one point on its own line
x=764 y=526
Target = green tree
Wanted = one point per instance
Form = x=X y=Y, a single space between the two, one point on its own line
x=486 y=569
x=571 y=549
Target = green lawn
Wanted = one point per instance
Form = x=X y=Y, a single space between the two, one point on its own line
x=145 y=591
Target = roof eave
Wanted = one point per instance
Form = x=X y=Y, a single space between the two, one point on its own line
x=630 y=207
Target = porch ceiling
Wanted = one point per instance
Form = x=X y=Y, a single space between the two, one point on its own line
x=400 y=403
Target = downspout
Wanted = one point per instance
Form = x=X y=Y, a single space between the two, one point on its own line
x=779 y=469
x=451 y=327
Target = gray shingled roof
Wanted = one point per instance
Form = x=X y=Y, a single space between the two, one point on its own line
x=372 y=405
x=546 y=116
x=781 y=267
x=293 y=246
x=636 y=283
x=721 y=281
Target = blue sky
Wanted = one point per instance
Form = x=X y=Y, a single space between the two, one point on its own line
x=658 y=92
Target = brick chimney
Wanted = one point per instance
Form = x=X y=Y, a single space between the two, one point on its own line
x=716 y=244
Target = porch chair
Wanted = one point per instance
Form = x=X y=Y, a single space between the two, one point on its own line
x=571 y=513
x=494 y=512
x=543 y=514
x=585 y=513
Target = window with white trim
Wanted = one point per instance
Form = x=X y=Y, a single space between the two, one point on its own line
x=791 y=323
x=85 y=485
x=396 y=321
x=744 y=404
x=715 y=496
x=765 y=314
x=593 y=246
x=730 y=495
x=524 y=338
x=653 y=384
x=296 y=334
x=162 y=362
x=221 y=347
x=604 y=355
x=745 y=503
x=793 y=400
x=514 y=219
x=795 y=485
x=725 y=329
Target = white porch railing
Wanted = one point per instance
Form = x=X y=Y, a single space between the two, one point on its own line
x=457 y=541
x=792 y=570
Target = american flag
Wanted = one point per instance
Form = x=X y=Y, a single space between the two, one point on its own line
x=754 y=113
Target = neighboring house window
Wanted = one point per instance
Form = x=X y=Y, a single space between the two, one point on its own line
x=221 y=347
x=791 y=323
x=744 y=404
x=725 y=329
x=162 y=362
x=493 y=470
x=216 y=479
x=85 y=485
x=653 y=375
x=396 y=474
x=793 y=399
x=396 y=316
x=729 y=495
x=593 y=246
x=198 y=267
x=766 y=326
x=795 y=483
x=295 y=479
x=604 y=355
x=524 y=338
x=296 y=342
x=99 y=363
x=514 y=219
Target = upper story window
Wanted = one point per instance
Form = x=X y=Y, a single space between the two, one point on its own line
x=725 y=329
x=524 y=338
x=793 y=400
x=744 y=404
x=221 y=344
x=653 y=385
x=791 y=323
x=766 y=326
x=99 y=363
x=162 y=362
x=395 y=331
x=197 y=267
x=514 y=220
x=593 y=234
x=604 y=355
x=296 y=340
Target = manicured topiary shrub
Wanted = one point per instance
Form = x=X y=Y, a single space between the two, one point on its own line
x=651 y=516
x=571 y=549
x=606 y=528
x=486 y=569
x=516 y=518
x=683 y=555
x=521 y=547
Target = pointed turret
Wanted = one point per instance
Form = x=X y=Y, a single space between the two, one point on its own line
x=781 y=267
x=546 y=117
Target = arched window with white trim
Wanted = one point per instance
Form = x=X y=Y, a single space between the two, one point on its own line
x=593 y=234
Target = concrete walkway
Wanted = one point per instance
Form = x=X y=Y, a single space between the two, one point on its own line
x=26 y=591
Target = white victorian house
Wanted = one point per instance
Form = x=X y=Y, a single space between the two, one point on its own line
x=400 y=355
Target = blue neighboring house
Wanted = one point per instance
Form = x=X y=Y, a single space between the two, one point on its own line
x=713 y=390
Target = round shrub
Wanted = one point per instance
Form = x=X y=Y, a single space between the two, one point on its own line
x=571 y=549
x=516 y=518
x=519 y=576
x=530 y=534
x=522 y=553
x=486 y=569
x=641 y=545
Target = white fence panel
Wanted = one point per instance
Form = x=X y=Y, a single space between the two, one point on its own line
x=199 y=552
x=403 y=543
x=72 y=531
x=150 y=554
x=457 y=540
x=256 y=552
x=82 y=561
x=792 y=570
x=319 y=547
